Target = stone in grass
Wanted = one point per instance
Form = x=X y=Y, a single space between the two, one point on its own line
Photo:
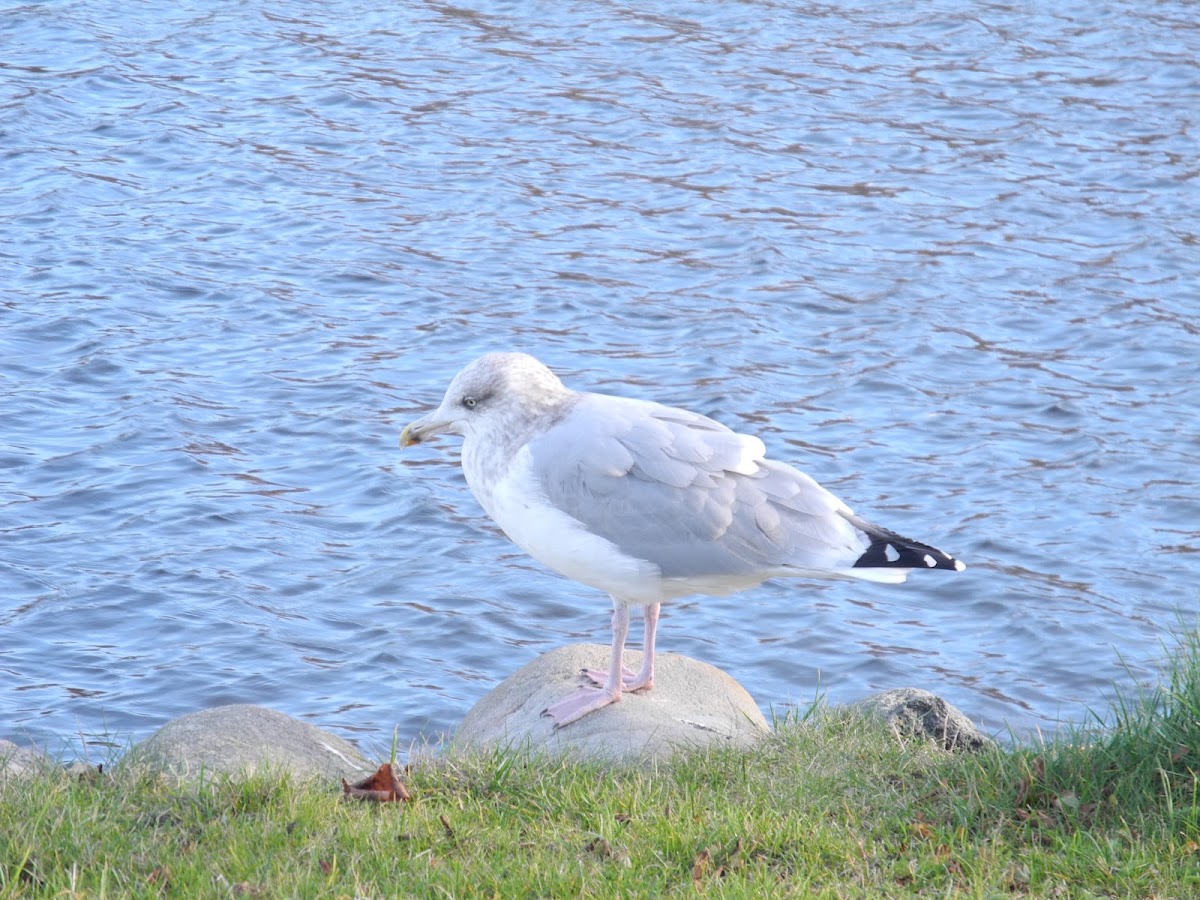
x=912 y=712
x=691 y=706
x=242 y=739
x=22 y=762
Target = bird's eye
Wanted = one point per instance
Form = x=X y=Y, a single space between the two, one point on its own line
x=470 y=402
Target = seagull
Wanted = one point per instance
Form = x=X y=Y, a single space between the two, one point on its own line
x=647 y=503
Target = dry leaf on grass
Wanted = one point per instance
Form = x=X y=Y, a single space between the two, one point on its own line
x=382 y=786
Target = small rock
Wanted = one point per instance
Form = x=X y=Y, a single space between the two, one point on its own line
x=21 y=762
x=242 y=738
x=82 y=771
x=691 y=706
x=912 y=712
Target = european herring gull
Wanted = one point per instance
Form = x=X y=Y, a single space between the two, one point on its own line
x=646 y=502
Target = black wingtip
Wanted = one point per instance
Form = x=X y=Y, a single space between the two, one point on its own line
x=889 y=550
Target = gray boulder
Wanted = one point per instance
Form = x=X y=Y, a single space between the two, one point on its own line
x=692 y=706
x=21 y=762
x=911 y=712
x=242 y=739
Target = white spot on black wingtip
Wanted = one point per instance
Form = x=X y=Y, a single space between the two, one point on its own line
x=959 y=565
x=930 y=561
x=891 y=553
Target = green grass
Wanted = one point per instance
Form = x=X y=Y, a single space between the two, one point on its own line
x=831 y=807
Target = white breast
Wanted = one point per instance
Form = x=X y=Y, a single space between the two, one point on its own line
x=517 y=504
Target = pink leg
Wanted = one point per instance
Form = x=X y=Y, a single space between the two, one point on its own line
x=643 y=680
x=590 y=699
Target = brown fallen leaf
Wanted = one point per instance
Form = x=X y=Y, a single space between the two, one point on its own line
x=1026 y=786
x=382 y=786
x=1039 y=818
x=601 y=848
x=734 y=860
x=1024 y=789
x=160 y=877
x=703 y=858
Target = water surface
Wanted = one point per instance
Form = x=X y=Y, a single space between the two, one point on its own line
x=943 y=259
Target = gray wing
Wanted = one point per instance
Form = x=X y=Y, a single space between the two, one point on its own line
x=687 y=494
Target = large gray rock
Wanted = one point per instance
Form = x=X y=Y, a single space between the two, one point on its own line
x=22 y=762
x=692 y=706
x=911 y=712
x=242 y=739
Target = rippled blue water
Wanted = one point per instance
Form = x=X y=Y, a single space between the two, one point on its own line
x=944 y=259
